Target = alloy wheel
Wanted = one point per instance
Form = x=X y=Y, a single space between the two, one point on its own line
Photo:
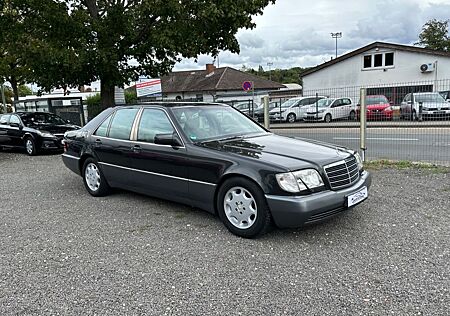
x=240 y=207
x=92 y=176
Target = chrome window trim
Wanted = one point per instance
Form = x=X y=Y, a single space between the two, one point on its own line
x=157 y=174
x=137 y=142
x=134 y=129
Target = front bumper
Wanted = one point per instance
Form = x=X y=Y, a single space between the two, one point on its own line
x=313 y=117
x=54 y=143
x=296 y=211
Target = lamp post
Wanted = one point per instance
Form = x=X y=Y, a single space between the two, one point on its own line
x=336 y=36
x=269 y=64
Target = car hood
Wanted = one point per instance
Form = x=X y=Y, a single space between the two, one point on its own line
x=286 y=152
x=435 y=104
x=277 y=110
x=312 y=108
x=55 y=129
x=378 y=106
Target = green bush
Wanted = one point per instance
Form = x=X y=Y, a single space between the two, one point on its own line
x=131 y=97
x=93 y=106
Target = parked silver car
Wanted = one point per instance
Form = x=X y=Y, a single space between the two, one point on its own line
x=432 y=104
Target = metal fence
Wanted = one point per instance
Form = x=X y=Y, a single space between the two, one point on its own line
x=405 y=121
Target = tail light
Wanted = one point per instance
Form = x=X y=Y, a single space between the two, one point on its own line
x=65 y=145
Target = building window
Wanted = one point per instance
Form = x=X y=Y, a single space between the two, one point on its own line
x=389 y=59
x=368 y=61
x=378 y=60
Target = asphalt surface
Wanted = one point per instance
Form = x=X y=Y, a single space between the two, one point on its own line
x=63 y=252
x=429 y=144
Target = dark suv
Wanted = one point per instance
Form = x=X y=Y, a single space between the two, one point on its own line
x=34 y=131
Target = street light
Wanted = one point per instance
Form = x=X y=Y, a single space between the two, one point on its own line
x=269 y=64
x=336 y=36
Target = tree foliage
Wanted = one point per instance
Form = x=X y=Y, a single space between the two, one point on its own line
x=74 y=42
x=435 y=35
x=292 y=75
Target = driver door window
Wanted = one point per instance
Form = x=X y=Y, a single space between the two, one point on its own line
x=14 y=119
x=152 y=123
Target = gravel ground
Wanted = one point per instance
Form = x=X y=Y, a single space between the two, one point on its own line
x=63 y=252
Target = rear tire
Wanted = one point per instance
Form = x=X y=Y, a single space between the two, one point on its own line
x=243 y=208
x=352 y=116
x=93 y=178
x=328 y=118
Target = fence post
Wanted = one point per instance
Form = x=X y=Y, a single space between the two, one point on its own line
x=317 y=106
x=363 y=123
x=266 y=112
x=3 y=99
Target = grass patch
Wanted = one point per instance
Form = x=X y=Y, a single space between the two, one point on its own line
x=403 y=164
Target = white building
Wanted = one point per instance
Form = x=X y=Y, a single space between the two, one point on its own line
x=384 y=68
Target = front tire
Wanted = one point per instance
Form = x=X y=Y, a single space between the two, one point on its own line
x=242 y=208
x=93 y=178
x=328 y=118
x=291 y=118
x=30 y=146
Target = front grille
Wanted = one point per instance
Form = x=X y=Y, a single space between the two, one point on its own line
x=343 y=173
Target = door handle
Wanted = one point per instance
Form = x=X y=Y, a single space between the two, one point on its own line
x=137 y=149
x=98 y=143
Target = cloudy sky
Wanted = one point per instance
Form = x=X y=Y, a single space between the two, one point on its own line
x=294 y=33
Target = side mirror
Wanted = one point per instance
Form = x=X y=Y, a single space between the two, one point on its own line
x=16 y=125
x=391 y=102
x=171 y=139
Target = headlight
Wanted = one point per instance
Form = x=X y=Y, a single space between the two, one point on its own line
x=388 y=109
x=45 y=134
x=321 y=111
x=358 y=160
x=301 y=180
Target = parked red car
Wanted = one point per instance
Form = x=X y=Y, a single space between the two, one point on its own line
x=378 y=108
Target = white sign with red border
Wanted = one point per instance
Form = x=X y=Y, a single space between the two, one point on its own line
x=148 y=88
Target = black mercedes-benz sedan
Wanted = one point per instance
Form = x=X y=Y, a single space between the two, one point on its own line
x=33 y=131
x=215 y=158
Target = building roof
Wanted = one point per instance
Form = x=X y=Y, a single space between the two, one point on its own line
x=414 y=49
x=219 y=79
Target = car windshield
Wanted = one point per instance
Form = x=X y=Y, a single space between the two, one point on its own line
x=429 y=97
x=41 y=119
x=377 y=99
x=204 y=123
x=289 y=103
x=323 y=103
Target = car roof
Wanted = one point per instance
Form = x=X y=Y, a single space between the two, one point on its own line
x=175 y=104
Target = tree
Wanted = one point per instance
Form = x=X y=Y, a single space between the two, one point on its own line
x=12 y=66
x=435 y=35
x=73 y=42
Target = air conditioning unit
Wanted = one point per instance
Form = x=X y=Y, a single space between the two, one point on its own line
x=429 y=67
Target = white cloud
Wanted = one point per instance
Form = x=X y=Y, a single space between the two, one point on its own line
x=294 y=33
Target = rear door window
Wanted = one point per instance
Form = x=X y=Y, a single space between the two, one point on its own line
x=122 y=123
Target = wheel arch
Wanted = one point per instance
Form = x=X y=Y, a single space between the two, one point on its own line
x=230 y=176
